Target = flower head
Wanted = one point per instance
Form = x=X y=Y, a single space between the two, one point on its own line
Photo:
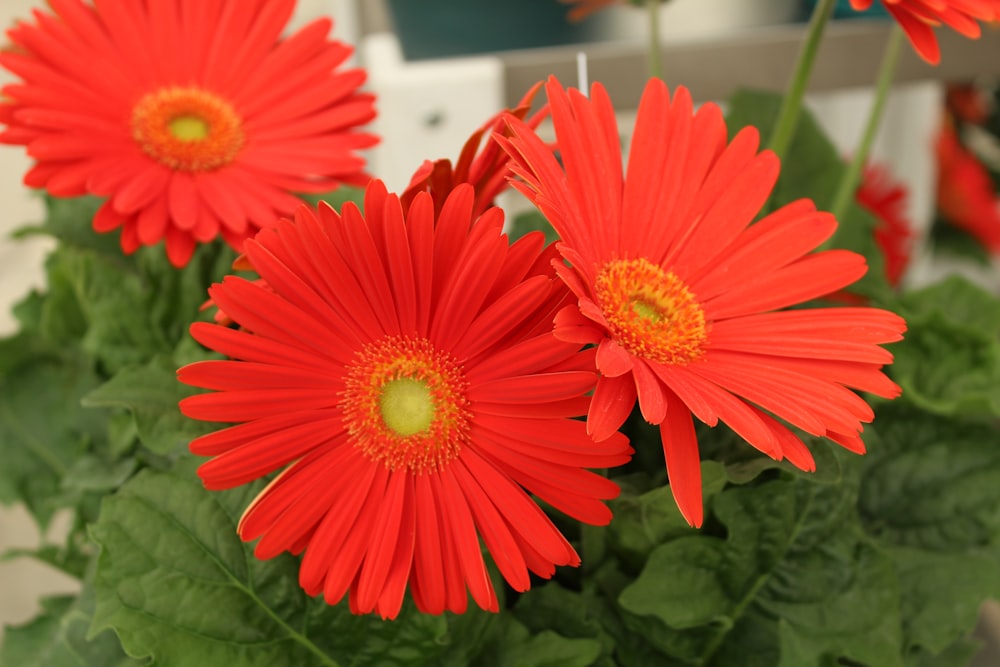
x=194 y=118
x=680 y=293
x=401 y=370
x=966 y=196
x=918 y=18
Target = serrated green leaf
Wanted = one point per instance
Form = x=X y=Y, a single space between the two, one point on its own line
x=645 y=520
x=933 y=483
x=70 y=220
x=95 y=473
x=958 y=301
x=942 y=594
x=959 y=654
x=176 y=295
x=860 y=621
x=177 y=585
x=44 y=429
x=514 y=646
x=57 y=638
x=752 y=642
x=949 y=362
x=794 y=554
x=549 y=649
x=948 y=369
x=151 y=392
x=572 y=614
x=110 y=300
x=680 y=584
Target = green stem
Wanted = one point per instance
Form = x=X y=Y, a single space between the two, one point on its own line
x=653 y=57
x=849 y=181
x=791 y=105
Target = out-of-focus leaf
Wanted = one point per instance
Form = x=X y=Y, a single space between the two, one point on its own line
x=151 y=392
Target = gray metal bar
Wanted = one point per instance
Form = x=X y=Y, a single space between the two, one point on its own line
x=712 y=68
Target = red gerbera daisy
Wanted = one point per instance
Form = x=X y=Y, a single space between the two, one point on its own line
x=486 y=172
x=918 y=18
x=678 y=290
x=966 y=197
x=886 y=199
x=404 y=370
x=193 y=117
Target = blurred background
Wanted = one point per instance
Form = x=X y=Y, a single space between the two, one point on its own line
x=440 y=68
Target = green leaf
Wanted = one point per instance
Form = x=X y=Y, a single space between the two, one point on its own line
x=337 y=198
x=956 y=300
x=691 y=594
x=948 y=369
x=947 y=240
x=514 y=646
x=177 y=585
x=959 y=654
x=57 y=638
x=743 y=463
x=859 y=622
x=942 y=594
x=644 y=520
x=109 y=302
x=151 y=392
x=70 y=220
x=44 y=429
x=532 y=221
x=794 y=565
x=949 y=362
x=90 y=472
x=933 y=483
x=572 y=614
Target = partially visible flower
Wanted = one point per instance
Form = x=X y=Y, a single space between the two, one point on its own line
x=481 y=164
x=886 y=199
x=966 y=196
x=402 y=373
x=195 y=118
x=918 y=18
x=967 y=102
x=584 y=8
x=681 y=294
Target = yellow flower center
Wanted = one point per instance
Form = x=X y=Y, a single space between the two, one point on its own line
x=404 y=404
x=187 y=129
x=407 y=406
x=651 y=312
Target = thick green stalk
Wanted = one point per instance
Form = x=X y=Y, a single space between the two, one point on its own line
x=849 y=181
x=654 y=56
x=791 y=105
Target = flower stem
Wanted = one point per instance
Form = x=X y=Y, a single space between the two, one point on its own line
x=653 y=56
x=849 y=181
x=788 y=116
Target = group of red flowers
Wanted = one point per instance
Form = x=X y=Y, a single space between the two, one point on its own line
x=415 y=377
